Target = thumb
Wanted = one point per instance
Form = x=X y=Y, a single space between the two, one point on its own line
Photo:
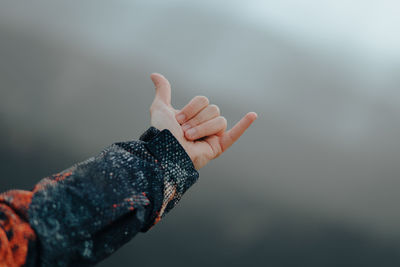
x=163 y=88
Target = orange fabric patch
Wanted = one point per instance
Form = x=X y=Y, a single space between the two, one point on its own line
x=51 y=180
x=15 y=235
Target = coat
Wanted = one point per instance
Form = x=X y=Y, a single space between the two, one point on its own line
x=85 y=213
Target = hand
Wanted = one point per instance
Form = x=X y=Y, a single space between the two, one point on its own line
x=209 y=137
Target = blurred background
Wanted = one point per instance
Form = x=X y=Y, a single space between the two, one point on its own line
x=314 y=182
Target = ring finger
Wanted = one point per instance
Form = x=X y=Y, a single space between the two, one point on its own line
x=211 y=127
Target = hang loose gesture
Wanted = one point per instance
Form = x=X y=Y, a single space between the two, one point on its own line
x=198 y=127
x=124 y=190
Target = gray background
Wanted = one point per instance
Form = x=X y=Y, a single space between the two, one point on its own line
x=314 y=182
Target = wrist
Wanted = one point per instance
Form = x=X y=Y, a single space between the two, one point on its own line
x=154 y=130
x=178 y=168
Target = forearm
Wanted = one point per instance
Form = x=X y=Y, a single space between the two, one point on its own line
x=85 y=213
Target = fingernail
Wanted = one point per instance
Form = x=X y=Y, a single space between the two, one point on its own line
x=180 y=118
x=185 y=126
x=191 y=132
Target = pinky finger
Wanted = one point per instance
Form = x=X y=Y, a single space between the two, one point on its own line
x=233 y=134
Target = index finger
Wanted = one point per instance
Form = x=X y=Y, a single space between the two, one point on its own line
x=233 y=134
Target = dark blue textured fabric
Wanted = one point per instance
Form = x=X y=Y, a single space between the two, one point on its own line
x=85 y=213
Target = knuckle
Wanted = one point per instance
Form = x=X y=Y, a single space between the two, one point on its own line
x=185 y=111
x=215 y=109
x=218 y=151
x=223 y=120
x=191 y=123
x=198 y=132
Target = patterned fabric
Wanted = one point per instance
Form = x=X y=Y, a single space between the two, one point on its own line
x=83 y=214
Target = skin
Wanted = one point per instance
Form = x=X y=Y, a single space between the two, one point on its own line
x=198 y=126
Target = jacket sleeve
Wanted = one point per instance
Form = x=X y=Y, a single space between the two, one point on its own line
x=83 y=214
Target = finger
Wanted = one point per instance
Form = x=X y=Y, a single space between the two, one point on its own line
x=233 y=134
x=192 y=108
x=211 y=127
x=163 y=88
x=208 y=113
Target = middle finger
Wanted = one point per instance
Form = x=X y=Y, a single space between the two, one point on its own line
x=208 y=113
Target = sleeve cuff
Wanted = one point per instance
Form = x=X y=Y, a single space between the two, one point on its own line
x=149 y=134
x=179 y=171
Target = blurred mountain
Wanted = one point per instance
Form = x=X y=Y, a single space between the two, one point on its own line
x=313 y=183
